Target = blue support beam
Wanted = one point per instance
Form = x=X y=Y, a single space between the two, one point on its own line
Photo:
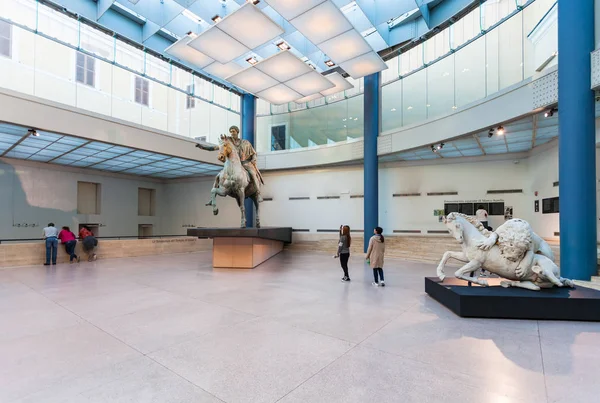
x=424 y=9
x=248 y=112
x=576 y=141
x=102 y=7
x=372 y=126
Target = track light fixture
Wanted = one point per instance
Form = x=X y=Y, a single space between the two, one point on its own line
x=436 y=148
x=551 y=112
x=216 y=18
x=491 y=133
x=500 y=130
x=283 y=46
x=33 y=133
x=329 y=63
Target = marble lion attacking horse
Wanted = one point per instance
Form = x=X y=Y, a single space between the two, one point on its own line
x=513 y=252
x=234 y=181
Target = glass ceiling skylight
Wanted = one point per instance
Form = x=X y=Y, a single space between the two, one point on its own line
x=16 y=142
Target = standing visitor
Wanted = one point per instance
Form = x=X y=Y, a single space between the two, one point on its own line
x=375 y=254
x=343 y=251
x=68 y=239
x=89 y=242
x=50 y=235
x=482 y=216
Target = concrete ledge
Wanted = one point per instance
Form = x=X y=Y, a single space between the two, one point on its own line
x=34 y=253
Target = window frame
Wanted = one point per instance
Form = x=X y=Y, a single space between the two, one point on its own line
x=87 y=72
x=190 y=100
x=8 y=39
x=144 y=83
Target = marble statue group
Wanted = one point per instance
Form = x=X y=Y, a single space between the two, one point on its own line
x=240 y=177
x=513 y=252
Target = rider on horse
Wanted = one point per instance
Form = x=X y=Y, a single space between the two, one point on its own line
x=247 y=156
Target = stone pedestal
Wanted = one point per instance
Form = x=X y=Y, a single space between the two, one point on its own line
x=243 y=253
x=243 y=248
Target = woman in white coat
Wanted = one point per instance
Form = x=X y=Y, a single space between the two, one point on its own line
x=375 y=255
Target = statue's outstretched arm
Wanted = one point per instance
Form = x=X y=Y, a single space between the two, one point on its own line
x=207 y=147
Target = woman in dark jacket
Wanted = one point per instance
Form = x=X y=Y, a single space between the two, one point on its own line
x=343 y=251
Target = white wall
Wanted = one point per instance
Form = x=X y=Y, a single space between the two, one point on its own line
x=471 y=180
x=39 y=193
x=32 y=193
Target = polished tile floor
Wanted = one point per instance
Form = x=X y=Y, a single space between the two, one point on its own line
x=171 y=329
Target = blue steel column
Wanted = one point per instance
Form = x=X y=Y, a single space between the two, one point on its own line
x=371 y=174
x=576 y=142
x=248 y=108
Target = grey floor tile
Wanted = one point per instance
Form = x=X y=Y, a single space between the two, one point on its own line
x=365 y=375
x=256 y=361
x=139 y=380
x=165 y=325
x=33 y=363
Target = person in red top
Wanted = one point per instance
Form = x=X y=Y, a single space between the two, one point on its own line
x=68 y=239
x=89 y=242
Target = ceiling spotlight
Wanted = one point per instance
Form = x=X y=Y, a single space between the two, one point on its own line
x=434 y=149
x=216 y=18
x=33 y=132
x=252 y=60
x=441 y=146
x=283 y=46
x=500 y=131
x=491 y=133
x=329 y=63
x=255 y=2
x=550 y=113
x=312 y=66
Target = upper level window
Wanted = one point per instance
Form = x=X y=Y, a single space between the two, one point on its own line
x=86 y=69
x=190 y=101
x=142 y=91
x=5 y=39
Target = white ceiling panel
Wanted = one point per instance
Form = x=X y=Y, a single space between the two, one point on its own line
x=310 y=83
x=290 y=9
x=346 y=46
x=283 y=66
x=322 y=23
x=279 y=94
x=364 y=65
x=217 y=45
x=182 y=51
x=223 y=70
x=341 y=84
x=253 y=80
x=249 y=26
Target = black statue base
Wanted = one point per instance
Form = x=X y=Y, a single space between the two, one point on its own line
x=514 y=303
x=282 y=234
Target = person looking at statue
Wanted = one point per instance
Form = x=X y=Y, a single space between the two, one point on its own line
x=482 y=216
x=68 y=239
x=247 y=157
x=343 y=251
x=51 y=239
x=89 y=242
x=375 y=254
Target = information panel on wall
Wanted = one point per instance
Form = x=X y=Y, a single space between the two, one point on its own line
x=469 y=207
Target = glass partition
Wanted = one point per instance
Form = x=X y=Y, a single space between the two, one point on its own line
x=489 y=55
x=79 y=65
